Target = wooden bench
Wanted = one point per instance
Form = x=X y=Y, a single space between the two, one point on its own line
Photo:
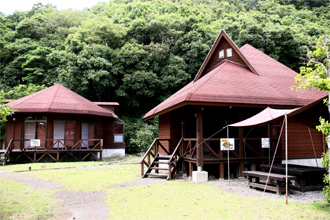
x=278 y=179
x=308 y=178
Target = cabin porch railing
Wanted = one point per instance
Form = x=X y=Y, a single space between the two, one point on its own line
x=54 y=146
x=190 y=146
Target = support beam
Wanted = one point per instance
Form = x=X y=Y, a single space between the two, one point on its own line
x=199 y=135
x=241 y=145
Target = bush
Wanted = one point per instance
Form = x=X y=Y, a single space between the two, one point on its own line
x=139 y=134
x=326 y=180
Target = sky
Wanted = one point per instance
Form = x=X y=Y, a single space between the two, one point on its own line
x=9 y=6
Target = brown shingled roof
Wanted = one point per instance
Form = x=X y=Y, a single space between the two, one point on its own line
x=58 y=99
x=233 y=84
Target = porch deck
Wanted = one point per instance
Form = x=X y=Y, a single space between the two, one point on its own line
x=55 y=149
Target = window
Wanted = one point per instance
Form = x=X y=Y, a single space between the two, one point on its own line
x=229 y=52
x=221 y=54
x=87 y=132
x=118 y=132
x=64 y=131
x=35 y=128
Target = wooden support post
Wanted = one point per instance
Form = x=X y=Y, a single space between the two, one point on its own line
x=35 y=157
x=183 y=167
x=199 y=135
x=190 y=169
x=222 y=171
x=241 y=148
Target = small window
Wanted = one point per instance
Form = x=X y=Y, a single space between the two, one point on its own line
x=221 y=54
x=229 y=52
x=118 y=132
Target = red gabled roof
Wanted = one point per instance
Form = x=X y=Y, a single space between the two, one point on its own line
x=58 y=99
x=224 y=36
x=230 y=83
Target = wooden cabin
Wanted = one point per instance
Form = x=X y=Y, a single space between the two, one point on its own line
x=66 y=125
x=232 y=84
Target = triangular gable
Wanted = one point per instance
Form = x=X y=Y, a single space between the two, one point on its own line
x=223 y=42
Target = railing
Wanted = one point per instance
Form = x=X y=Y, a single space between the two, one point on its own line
x=190 y=146
x=174 y=159
x=57 y=144
x=153 y=151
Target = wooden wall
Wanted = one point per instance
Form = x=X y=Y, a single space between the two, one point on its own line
x=19 y=130
x=165 y=130
x=104 y=129
x=108 y=133
x=299 y=141
x=214 y=60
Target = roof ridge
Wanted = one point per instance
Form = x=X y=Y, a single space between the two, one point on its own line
x=86 y=111
x=51 y=102
x=31 y=96
x=209 y=77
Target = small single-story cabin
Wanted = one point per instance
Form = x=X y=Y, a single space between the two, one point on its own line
x=232 y=84
x=65 y=124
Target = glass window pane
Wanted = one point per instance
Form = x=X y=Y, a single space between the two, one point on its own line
x=229 y=52
x=221 y=54
x=119 y=138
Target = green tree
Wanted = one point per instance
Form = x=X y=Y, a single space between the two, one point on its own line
x=316 y=74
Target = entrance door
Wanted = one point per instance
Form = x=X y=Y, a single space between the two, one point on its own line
x=30 y=133
x=59 y=128
x=85 y=134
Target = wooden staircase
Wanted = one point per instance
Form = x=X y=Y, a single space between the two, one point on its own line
x=154 y=167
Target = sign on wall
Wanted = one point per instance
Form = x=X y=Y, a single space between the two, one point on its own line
x=265 y=143
x=35 y=142
x=227 y=143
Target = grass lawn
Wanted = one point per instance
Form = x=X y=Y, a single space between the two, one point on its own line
x=20 y=201
x=167 y=200
x=188 y=200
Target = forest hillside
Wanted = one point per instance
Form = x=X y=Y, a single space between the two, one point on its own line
x=139 y=52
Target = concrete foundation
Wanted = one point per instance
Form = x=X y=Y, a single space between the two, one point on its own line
x=305 y=162
x=113 y=152
x=199 y=176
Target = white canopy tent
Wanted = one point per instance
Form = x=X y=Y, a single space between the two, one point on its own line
x=265 y=117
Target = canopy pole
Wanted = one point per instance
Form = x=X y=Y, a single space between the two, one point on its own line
x=228 y=156
x=310 y=135
x=269 y=144
x=286 y=158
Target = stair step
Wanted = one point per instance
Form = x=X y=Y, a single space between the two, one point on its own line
x=156 y=175
x=158 y=168
x=164 y=156
x=161 y=162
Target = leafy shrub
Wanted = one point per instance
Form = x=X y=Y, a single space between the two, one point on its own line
x=326 y=180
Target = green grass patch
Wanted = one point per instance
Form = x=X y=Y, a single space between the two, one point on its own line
x=20 y=201
x=187 y=200
x=87 y=179
x=55 y=165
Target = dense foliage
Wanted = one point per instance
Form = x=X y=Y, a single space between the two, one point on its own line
x=139 y=52
x=316 y=74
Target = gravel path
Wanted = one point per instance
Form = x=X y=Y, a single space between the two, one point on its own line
x=83 y=205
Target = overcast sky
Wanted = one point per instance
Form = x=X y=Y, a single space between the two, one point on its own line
x=9 y=6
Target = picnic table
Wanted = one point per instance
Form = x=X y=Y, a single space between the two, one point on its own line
x=308 y=178
x=278 y=179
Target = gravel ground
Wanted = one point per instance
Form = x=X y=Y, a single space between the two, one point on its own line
x=240 y=187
